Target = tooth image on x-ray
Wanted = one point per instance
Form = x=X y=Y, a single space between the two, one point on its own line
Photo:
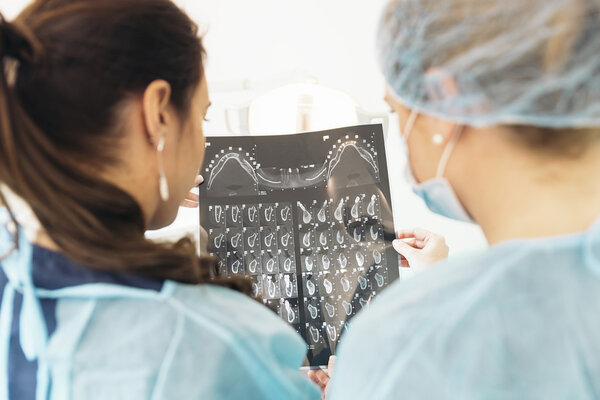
x=374 y=232
x=235 y=266
x=330 y=310
x=235 y=215
x=306 y=239
x=325 y=262
x=354 y=211
x=252 y=214
x=218 y=240
x=313 y=311
x=360 y=258
x=363 y=303
x=270 y=265
x=269 y=214
x=311 y=287
x=253 y=266
x=289 y=286
x=362 y=282
x=252 y=239
x=352 y=165
x=371 y=206
x=331 y=332
x=323 y=239
x=377 y=256
x=236 y=239
x=232 y=175
x=322 y=214
x=218 y=215
x=356 y=234
x=328 y=286
x=268 y=240
x=291 y=315
x=340 y=236
x=285 y=239
x=379 y=279
x=314 y=334
x=285 y=214
x=271 y=287
x=347 y=307
x=345 y=284
x=287 y=265
x=342 y=260
x=308 y=263
x=306 y=217
x=338 y=213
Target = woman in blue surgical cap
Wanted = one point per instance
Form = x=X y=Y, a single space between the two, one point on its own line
x=101 y=109
x=499 y=106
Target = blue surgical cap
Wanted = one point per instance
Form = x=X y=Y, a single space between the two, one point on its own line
x=489 y=62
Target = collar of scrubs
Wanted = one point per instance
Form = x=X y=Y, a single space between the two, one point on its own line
x=36 y=273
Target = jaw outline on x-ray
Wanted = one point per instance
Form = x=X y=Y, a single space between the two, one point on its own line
x=231 y=157
x=362 y=152
x=292 y=178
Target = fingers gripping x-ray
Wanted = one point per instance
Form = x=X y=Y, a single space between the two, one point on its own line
x=303 y=216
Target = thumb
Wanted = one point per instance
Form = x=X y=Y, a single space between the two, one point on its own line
x=403 y=248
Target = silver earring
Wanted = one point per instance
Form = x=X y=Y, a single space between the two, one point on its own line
x=163 y=186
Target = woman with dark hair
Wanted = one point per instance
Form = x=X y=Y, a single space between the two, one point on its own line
x=101 y=107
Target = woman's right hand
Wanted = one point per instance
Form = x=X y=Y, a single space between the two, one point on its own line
x=422 y=249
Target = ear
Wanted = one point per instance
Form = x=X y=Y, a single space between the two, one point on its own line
x=441 y=87
x=155 y=109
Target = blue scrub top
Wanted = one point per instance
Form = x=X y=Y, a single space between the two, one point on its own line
x=520 y=321
x=111 y=336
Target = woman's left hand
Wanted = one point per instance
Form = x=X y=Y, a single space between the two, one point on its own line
x=191 y=200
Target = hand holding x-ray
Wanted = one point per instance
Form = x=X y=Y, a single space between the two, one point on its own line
x=420 y=248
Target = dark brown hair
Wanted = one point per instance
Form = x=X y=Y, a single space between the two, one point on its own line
x=68 y=65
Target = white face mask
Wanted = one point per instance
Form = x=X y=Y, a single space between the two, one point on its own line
x=437 y=193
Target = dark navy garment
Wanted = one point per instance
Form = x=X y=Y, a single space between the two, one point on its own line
x=52 y=270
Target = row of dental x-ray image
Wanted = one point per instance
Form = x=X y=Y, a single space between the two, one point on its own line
x=343 y=265
x=338 y=161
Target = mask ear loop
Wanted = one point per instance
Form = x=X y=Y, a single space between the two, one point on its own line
x=410 y=122
x=163 y=186
x=447 y=152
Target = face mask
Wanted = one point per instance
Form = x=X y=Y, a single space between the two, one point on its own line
x=437 y=193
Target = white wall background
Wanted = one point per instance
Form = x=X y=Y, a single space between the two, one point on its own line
x=332 y=41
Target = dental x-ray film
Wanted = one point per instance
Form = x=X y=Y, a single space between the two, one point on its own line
x=307 y=217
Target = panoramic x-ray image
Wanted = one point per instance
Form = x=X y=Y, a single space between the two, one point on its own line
x=307 y=218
